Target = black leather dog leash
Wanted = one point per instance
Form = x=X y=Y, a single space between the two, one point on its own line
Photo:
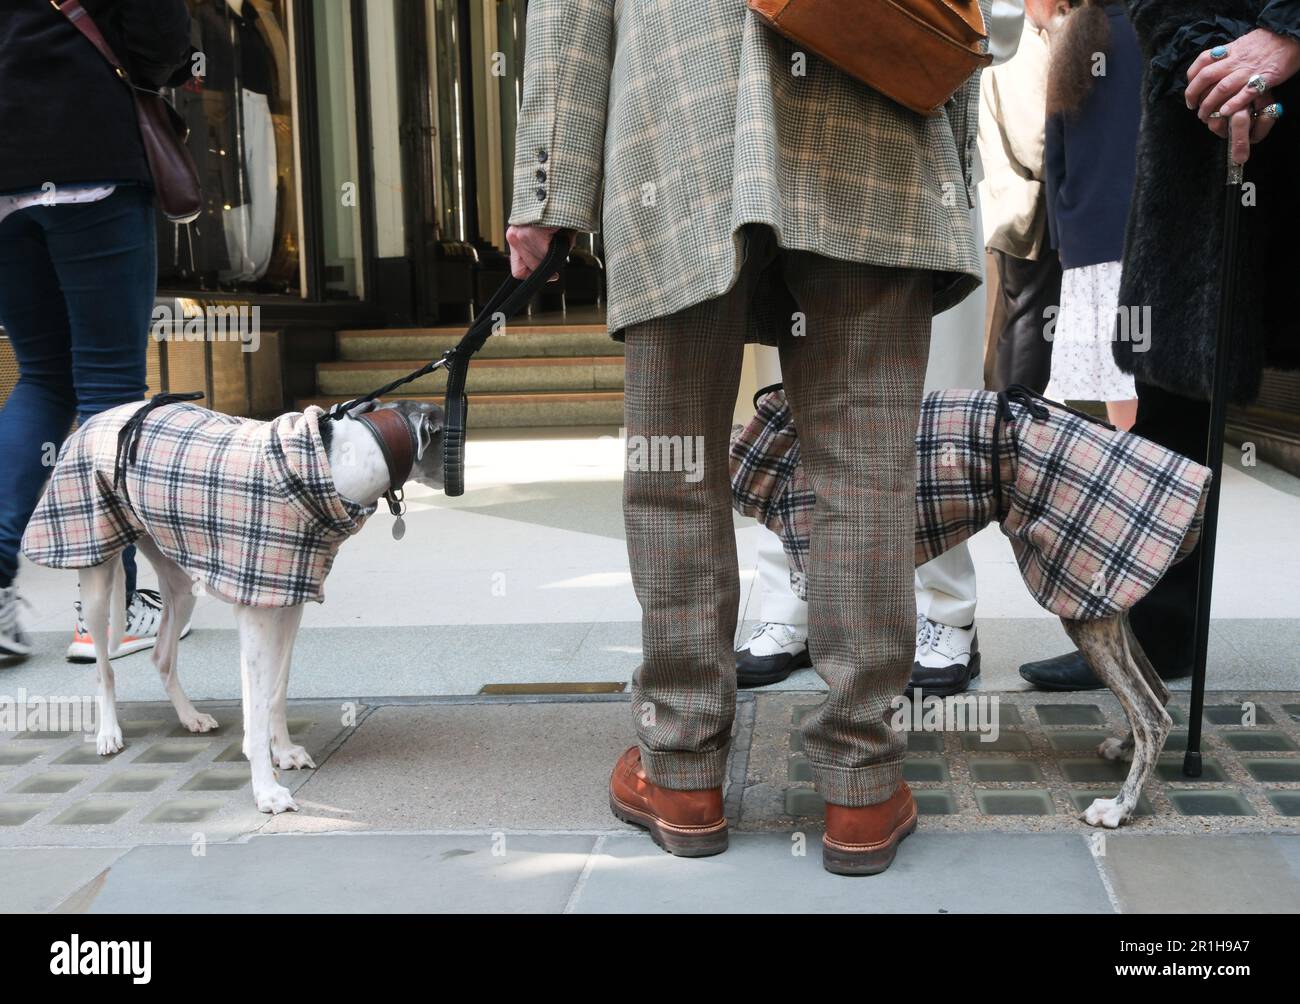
x=128 y=437
x=512 y=296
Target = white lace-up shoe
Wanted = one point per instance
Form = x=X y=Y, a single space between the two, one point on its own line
x=142 y=620
x=947 y=658
x=773 y=652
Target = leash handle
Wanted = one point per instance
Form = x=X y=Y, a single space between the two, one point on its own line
x=511 y=297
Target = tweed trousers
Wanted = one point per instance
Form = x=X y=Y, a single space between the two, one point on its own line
x=853 y=340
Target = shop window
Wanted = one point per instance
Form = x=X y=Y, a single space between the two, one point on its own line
x=341 y=191
x=239 y=109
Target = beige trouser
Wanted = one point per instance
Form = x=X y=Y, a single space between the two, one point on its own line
x=853 y=341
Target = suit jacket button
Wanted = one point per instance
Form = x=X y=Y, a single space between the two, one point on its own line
x=541 y=195
x=541 y=175
x=542 y=156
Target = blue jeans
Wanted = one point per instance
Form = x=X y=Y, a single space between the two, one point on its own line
x=77 y=285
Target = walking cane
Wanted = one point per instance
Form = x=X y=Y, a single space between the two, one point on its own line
x=1214 y=457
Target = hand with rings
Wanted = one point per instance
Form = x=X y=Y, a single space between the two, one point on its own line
x=1230 y=87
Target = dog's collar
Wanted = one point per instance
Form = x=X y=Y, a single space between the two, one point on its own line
x=397 y=443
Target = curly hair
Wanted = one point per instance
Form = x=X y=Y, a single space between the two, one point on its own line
x=1082 y=36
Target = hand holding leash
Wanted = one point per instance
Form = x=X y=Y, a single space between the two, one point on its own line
x=510 y=298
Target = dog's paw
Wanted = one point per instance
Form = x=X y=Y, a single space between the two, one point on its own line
x=1113 y=749
x=109 y=741
x=292 y=758
x=199 y=722
x=275 y=800
x=1109 y=813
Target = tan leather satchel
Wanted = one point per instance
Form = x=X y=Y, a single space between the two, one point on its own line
x=916 y=52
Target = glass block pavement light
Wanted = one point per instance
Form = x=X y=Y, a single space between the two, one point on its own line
x=166 y=785
x=1043 y=768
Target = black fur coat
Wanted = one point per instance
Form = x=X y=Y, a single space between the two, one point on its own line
x=1175 y=231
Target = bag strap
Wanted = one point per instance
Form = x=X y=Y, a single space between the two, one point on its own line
x=84 y=23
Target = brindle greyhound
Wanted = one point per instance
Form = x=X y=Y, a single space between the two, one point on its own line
x=1095 y=517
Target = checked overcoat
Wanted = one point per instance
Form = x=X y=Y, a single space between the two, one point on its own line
x=1095 y=516
x=669 y=124
x=249 y=509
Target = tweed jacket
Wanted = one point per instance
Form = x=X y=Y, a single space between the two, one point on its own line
x=1095 y=516
x=669 y=124
x=248 y=509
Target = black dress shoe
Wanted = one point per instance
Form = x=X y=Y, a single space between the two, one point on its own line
x=1062 y=672
x=763 y=670
x=1072 y=672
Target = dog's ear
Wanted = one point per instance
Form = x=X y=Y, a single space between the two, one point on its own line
x=428 y=425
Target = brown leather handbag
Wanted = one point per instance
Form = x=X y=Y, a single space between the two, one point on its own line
x=915 y=52
x=162 y=130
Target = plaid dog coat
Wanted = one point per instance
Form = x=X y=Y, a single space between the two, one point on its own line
x=1095 y=516
x=247 y=508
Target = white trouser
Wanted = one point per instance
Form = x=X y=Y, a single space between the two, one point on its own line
x=945 y=587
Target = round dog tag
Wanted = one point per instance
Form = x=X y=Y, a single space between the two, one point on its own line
x=399 y=528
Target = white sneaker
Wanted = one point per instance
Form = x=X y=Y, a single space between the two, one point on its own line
x=142 y=620
x=14 y=641
x=947 y=658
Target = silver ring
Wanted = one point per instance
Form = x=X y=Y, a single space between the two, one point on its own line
x=1258 y=83
x=1216 y=115
x=1273 y=111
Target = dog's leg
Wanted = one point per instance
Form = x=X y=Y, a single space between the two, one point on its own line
x=1149 y=673
x=266 y=640
x=1119 y=749
x=1105 y=646
x=1115 y=748
x=178 y=603
x=286 y=754
x=100 y=595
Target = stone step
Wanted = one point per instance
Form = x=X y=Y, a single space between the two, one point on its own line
x=518 y=411
x=517 y=341
x=499 y=376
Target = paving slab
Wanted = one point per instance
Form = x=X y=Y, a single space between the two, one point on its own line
x=476 y=873
x=765 y=873
x=439 y=766
x=1205 y=873
x=40 y=879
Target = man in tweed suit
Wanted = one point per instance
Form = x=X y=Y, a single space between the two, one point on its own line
x=747 y=191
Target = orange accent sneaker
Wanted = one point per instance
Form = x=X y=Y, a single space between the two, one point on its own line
x=142 y=620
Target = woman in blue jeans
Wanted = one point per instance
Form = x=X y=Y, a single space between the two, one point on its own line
x=78 y=262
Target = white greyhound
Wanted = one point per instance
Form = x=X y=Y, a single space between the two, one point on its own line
x=372 y=450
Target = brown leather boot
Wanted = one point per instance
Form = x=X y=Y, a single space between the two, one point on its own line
x=689 y=824
x=863 y=841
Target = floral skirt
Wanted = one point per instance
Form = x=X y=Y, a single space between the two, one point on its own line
x=1083 y=367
